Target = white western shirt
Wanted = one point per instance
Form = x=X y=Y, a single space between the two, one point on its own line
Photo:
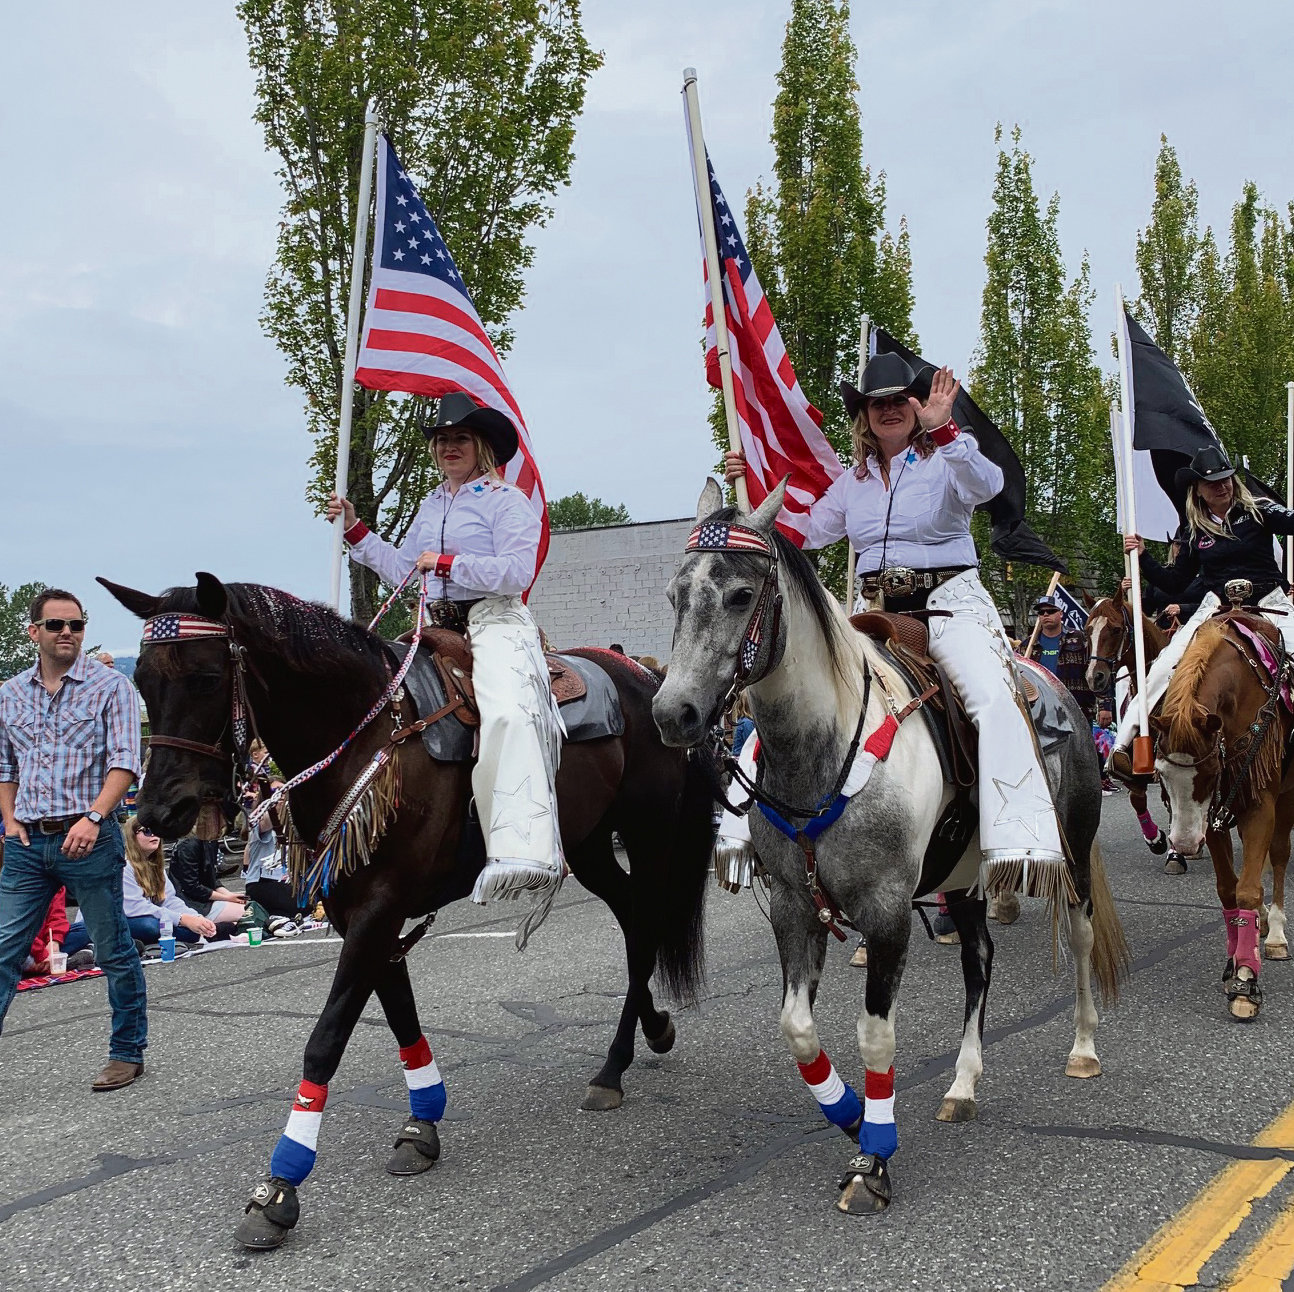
x=488 y=527
x=932 y=502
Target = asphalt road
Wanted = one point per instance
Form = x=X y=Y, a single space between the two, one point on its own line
x=718 y=1172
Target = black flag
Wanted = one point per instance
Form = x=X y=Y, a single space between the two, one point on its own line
x=1012 y=537
x=1168 y=422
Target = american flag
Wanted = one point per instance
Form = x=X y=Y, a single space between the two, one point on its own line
x=177 y=627
x=781 y=432
x=422 y=334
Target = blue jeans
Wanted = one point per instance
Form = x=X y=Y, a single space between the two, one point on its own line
x=143 y=928
x=29 y=880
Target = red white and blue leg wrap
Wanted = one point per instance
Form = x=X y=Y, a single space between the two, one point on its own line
x=422 y=1076
x=294 y=1155
x=835 y=1096
x=878 y=1134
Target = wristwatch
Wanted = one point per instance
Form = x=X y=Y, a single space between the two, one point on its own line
x=94 y=817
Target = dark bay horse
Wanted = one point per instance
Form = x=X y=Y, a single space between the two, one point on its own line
x=310 y=678
x=1110 y=649
x=817 y=689
x=1221 y=735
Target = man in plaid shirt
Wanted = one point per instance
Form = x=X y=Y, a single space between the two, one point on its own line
x=69 y=751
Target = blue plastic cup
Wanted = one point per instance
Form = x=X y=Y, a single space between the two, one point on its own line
x=168 y=947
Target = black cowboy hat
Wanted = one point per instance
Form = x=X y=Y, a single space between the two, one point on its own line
x=1209 y=463
x=462 y=412
x=885 y=374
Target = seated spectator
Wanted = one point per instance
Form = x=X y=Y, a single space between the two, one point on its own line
x=265 y=867
x=193 y=871
x=51 y=939
x=148 y=895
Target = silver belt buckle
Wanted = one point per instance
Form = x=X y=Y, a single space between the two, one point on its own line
x=899 y=581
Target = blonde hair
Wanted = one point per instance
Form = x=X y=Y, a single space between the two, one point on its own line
x=150 y=872
x=866 y=445
x=1200 y=519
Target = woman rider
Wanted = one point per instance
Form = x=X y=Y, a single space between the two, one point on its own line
x=478 y=536
x=906 y=508
x=1228 y=535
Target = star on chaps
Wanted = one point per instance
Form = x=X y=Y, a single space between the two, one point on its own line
x=512 y=811
x=1021 y=803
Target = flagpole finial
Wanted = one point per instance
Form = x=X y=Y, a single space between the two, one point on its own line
x=689 y=75
x=372 y=117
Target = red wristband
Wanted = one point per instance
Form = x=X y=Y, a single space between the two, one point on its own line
x=443 y=566
x=944 y=435
x=356 y=532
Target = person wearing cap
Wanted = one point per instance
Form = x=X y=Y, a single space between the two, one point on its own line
x=1051 y=620
x=907 y=507
x=1228 y=535
x=477 y=538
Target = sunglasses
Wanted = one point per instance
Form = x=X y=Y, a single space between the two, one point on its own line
x=146 y=832
x=57 y=625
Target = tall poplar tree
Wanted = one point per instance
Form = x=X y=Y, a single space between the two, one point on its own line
x=480 y=102
x=1034 y=374
x=1168 y=252
x=816 y=235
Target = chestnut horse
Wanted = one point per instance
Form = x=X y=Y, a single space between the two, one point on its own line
x=1111 y=650
x=1221 y=735
x=308 y=677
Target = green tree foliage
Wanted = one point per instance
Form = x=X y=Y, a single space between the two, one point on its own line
x=1034 y=374
x=480 y=99
x=575 y=511
x=1240 y=351
x=16 y=649
x=816 y=236
x=1168 y=253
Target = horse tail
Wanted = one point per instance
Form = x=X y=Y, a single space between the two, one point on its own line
x=1111 y=959
x=675 y=895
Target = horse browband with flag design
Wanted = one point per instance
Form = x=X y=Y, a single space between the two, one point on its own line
x=719 y=536
x=177 y=627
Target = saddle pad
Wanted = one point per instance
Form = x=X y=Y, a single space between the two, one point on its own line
x=1266 y=656
x=1050 y=718
x=594 y=715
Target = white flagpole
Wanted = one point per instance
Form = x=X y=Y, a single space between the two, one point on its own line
x=1120 y=503
x=358 y=252
x=864 y=349
x=1289 y=472
x=1142 y=750
x=705 y=210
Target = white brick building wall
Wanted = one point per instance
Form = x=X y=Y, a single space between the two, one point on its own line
x=607 y=584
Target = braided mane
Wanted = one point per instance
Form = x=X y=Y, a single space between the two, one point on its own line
x=1181 y=709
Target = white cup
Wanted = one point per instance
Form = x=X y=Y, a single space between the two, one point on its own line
x=58 y=964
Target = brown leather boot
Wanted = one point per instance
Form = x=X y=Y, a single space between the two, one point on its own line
x=116 y=1075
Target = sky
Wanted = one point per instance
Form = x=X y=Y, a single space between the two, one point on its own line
x=146 y=430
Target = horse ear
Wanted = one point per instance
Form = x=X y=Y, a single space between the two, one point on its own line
x=1088 y=599
x=138 y=603
x=213 y=600
x=765 y=515
x=710 y=501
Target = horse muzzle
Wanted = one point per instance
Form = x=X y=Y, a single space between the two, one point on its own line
x=680 y=723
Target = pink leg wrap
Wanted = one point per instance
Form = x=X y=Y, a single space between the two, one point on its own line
x=1242 y=938
x=1148 y=827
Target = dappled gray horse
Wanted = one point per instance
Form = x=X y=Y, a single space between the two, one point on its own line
x=749 y=608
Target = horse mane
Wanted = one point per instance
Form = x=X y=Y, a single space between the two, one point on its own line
x=1181 y=709
x=308 y=637
x=846 y=650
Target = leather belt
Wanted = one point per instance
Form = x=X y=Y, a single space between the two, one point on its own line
x=445 y=612
x=903 y=581
x=53 y=824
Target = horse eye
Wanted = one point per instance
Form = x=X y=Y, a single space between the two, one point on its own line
x=205 y=683
x=740 y=599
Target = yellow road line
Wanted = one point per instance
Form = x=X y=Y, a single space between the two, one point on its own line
x=1173 y=1258
x=1269 y=1261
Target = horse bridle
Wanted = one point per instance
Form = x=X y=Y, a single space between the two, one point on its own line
x=175 y=629
x=761 y=646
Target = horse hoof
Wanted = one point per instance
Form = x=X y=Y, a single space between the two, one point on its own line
x=1175 y=865
x=1007 y=910
x=1244 y=1010
x=957 y=1110
x=1160 y=846
x=859 y=959
x=948 y=939
x=865 y=1187
x=1083 y=1066
x=416 y=1148
x=602 y=1099
x=259 y=1234
x=1276 y=951
x=663 y=1043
